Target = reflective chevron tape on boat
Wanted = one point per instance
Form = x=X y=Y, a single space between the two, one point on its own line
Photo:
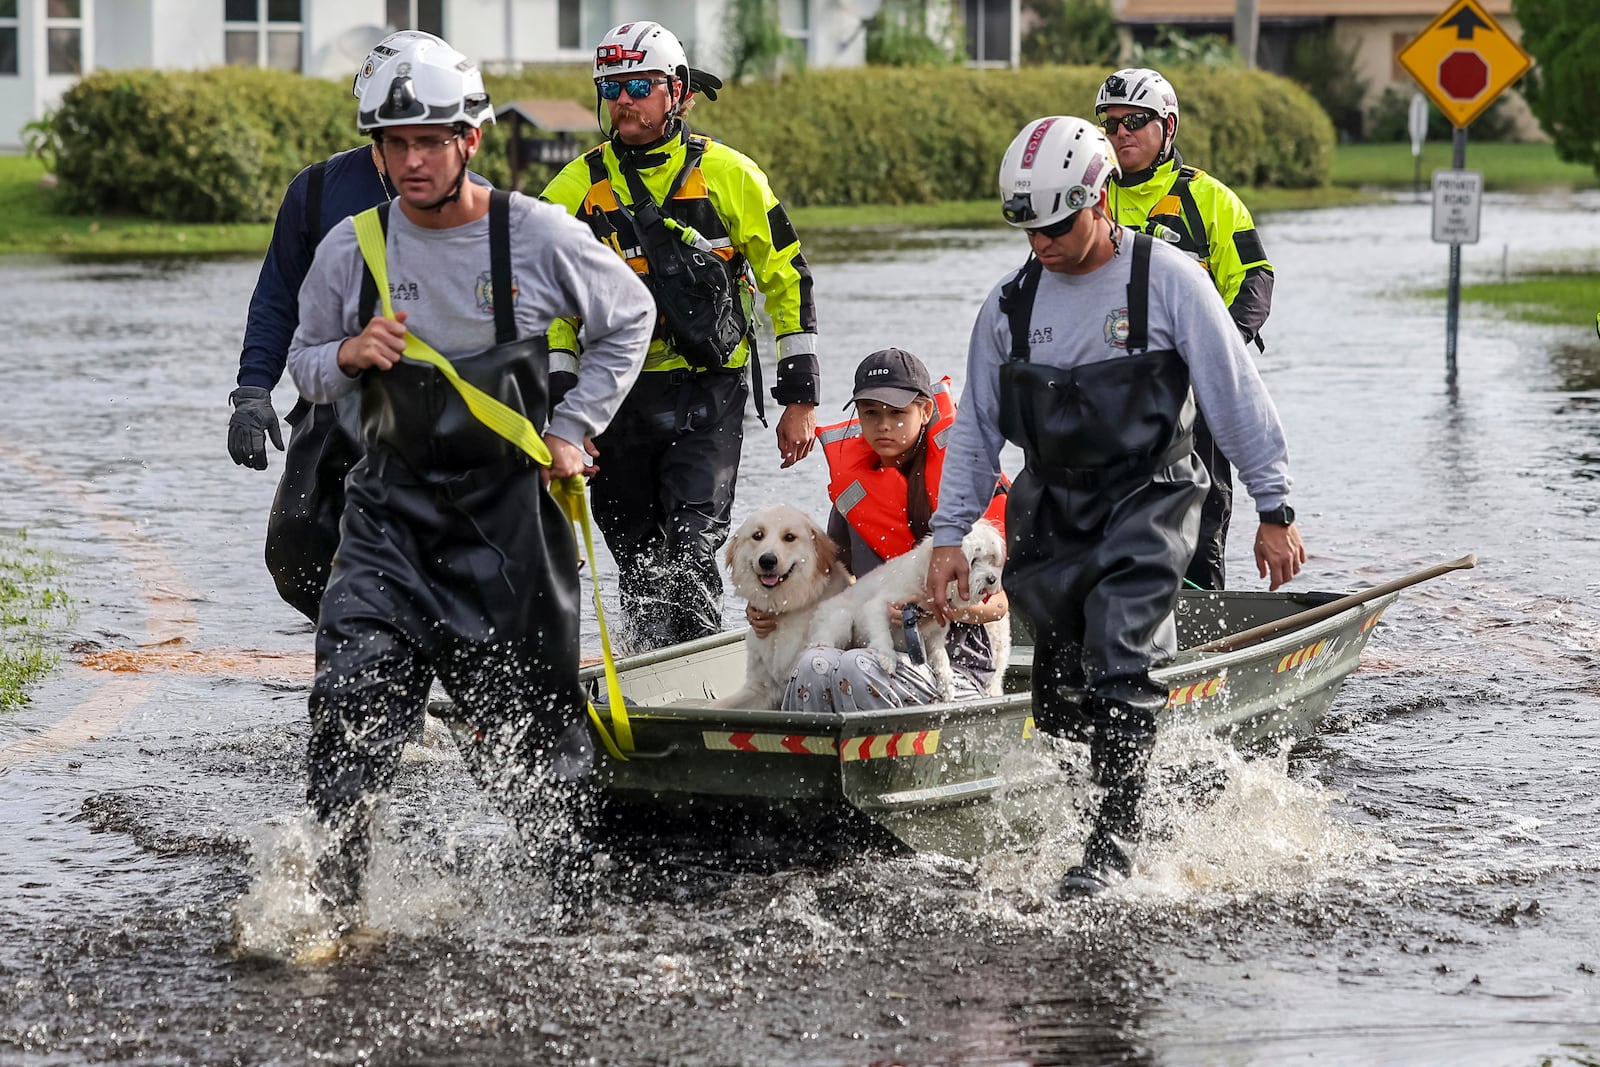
x=1189 y=694
x=1371 y=620
x=889 y=746
x=793 y=744
x=1303 y=656
x=872 y=746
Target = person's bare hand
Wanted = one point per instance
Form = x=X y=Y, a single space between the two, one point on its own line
x=591 y=469
x=1279 y=553
x=378 y=346
x=948 y=564
x=797 y=433
x=762 y=623
x=566 y=458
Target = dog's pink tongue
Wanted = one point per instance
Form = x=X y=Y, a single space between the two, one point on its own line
x=770 y=580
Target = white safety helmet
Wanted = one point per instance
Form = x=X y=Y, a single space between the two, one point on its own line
x=424 y=82
x=386 y=49
x=637 y=47
x=1138 y=87
x=1055 y=167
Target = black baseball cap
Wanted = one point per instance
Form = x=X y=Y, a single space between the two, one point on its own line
x=892 y=376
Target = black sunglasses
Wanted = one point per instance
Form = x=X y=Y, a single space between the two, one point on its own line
x=1132 y=123
x=638 y=88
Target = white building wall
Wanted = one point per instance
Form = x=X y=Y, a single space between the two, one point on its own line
x=338 y=36
x=189 y=35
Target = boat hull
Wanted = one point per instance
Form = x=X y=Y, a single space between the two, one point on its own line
x=961 y=777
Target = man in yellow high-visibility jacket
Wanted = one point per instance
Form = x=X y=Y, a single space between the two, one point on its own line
x=663 y=494
x=1159 y=194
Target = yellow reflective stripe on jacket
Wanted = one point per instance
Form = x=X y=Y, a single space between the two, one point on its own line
x=1222 y=215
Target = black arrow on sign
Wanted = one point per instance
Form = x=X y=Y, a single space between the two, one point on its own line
x=1466 y=22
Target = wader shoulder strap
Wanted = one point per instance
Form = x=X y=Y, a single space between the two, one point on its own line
x=1016 y=304
x=505 y=313
x=1139 y=294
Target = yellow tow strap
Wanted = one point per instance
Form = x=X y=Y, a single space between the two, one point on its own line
x=570 y=493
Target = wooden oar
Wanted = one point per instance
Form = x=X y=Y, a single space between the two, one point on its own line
x=1333 y=607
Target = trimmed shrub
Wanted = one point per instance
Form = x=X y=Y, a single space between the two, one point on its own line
x=192 y=146
x=874 y=135
x=221 y=145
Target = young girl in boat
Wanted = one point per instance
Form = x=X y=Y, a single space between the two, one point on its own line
x=884 y=467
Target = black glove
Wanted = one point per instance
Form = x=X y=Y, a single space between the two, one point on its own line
x=704 y=83
x=252 y=421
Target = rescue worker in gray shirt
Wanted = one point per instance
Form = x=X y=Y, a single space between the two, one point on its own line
x=1090 y=358
x=454 y=560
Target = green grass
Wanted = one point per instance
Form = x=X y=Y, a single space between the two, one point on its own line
x=1569 y=298
x=1504 y=166
x=29 y=602
x=33 y=225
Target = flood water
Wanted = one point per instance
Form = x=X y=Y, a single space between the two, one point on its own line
x=1416 y=884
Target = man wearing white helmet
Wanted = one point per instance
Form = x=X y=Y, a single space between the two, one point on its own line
x=454 y=560
x=303 y=527
x=699 y=222
x=1091 y=358
x=1160 y=194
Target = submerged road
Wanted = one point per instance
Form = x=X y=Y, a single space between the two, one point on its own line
x=1414 y=885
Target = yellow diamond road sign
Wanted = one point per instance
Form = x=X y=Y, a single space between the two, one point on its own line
x=1463 y=60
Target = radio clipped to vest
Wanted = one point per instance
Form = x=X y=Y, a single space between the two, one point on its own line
x=693 y=288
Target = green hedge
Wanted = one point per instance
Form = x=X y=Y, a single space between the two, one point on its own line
x=192 y=146
x=221 y=145
x=872 y=135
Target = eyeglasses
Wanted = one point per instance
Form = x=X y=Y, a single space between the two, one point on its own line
x=400 y=148
x=1018 y=209
x=1132 y=123
x=638 y=88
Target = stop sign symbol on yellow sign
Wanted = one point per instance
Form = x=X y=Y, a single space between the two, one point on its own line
x=1464 y=60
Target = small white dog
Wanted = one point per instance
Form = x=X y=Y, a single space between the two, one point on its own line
x=859 y=616
x=783 y=564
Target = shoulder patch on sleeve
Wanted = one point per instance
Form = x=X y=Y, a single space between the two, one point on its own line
x=783 y=234
x=1247 y=243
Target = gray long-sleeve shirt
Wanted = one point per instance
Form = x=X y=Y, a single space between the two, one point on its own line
x=1083 y=318
x=441 y=279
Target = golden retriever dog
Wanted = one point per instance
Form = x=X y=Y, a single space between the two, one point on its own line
x=783 y=564
x=859 y=616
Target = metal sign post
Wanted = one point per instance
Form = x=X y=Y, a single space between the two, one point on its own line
x=1463 y=61
x=1417 y=126
x=1457 y=207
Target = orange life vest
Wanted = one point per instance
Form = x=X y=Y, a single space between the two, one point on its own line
x=873 y=498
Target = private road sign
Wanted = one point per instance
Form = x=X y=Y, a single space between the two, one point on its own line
x=1463 y=60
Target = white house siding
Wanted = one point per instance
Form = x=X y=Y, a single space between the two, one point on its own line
x=336 y=34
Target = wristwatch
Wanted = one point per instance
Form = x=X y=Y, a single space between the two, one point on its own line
x=1282 y=515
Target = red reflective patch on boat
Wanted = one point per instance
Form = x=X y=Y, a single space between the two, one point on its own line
x=890 y=746
x=1302 y=656
x=771 y=744
x=1189 y=694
